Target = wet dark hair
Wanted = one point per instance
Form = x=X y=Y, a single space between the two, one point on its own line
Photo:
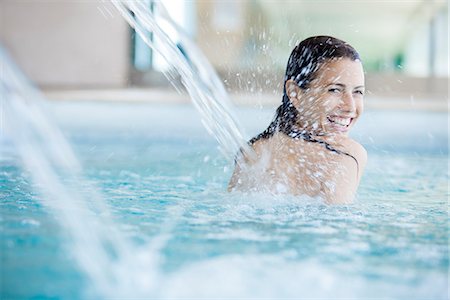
x=302 y=67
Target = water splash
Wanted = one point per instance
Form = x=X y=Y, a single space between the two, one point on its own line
x=114 y=266
x=109 y=261
x=199 y=78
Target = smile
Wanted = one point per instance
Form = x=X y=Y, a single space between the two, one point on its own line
x=340 y=121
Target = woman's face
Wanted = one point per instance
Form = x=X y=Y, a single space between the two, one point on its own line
x=334 y=100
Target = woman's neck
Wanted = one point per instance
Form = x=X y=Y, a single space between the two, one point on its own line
x=302 y=131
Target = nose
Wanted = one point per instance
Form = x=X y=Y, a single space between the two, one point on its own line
x=347 y=103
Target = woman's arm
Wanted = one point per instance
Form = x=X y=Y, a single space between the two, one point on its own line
x=234 y=181
x=243 y=177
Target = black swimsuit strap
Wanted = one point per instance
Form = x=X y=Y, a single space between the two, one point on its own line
x=306 y=136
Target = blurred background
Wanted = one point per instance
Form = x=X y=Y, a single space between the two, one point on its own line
x=85 y=50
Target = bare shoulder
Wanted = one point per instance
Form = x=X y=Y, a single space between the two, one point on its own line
x=256 y=148
x=243 y=177
x=262 y=146
x=356 y=149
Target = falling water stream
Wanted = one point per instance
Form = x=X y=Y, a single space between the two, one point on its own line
x=114 y=265
x=198 y=77
x=99 y=249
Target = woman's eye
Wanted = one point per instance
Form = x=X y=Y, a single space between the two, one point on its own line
x=359 y=92
x=334 y=90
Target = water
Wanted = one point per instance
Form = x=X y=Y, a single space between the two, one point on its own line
x=165 y=184
x=168 y=229
x=188 y=62
x=98 y=248
x=47 y=158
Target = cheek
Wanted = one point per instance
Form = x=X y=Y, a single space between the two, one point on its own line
x=308 y=105
x=329 y=104
x=360 y=106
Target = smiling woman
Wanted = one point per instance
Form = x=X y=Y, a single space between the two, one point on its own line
x=306 y=149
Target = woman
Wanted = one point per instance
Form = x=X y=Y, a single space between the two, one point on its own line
x=306 y=149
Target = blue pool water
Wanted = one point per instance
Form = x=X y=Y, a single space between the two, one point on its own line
x=164 y=178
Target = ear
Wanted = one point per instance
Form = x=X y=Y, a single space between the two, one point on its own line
x=293 y=92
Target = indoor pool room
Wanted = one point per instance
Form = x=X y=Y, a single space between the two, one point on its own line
x=224 y=150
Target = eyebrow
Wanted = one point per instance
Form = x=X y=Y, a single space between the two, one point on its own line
x=343 y=85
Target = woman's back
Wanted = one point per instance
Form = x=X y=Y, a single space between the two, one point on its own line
x=286 y=165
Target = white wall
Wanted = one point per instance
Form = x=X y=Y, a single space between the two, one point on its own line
x=66 y=43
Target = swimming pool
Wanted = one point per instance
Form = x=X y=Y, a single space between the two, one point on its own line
x=164 y=178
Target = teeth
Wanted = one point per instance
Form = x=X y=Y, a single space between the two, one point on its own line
x=340 y=121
